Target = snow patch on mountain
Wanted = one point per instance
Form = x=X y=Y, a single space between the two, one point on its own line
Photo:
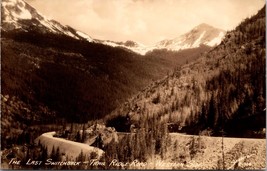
x=19 y=12
x=216 y=40
x=110 y=43
x=198 y=41
x=131 y=45
x=85 y=36
x=71 y=35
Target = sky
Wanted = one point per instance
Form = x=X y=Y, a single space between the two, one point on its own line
x=145 y=21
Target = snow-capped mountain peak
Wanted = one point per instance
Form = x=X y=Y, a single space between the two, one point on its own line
x=201 y=34
x=18 y=15
x=203 y=26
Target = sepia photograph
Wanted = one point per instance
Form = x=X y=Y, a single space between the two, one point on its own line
x=133 y=85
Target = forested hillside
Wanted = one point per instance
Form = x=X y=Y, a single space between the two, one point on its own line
x=48 y=76
x=221 y=91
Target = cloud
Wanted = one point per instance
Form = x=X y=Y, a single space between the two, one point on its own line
x=105 y=9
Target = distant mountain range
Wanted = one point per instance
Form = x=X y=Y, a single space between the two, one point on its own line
x=18 y=15
x=202 y=34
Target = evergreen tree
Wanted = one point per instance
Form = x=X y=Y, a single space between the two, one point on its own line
x=53 y=154
x=44 y=154
x=58 y=155
x=78 y=137
x=83 y=134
